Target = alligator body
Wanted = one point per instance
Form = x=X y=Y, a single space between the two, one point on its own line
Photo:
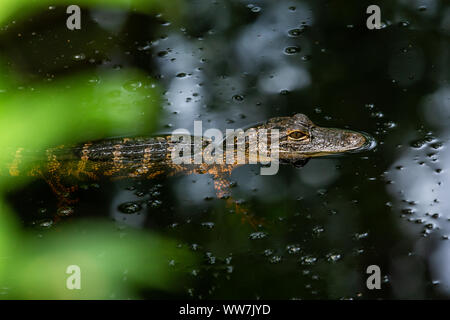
x=149 y=157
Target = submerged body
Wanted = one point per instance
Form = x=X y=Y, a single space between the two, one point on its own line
x=150 y=157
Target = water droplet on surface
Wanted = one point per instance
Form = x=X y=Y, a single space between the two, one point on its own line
x=359 y=236
x=79 y=57
x=404 y=24
x=155 y=203
x=162 y=53
x=208 y=225
x=295 y=32
x=333 y=257
x=65 y=211
x=132 y=85
x=93 y=80
x=308 y=260
x=45 y=223
x=275 y=259
x=306 y=57
x=293 y=249
x=318 y=230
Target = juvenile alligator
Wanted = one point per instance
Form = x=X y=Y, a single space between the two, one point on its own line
x=149 y=157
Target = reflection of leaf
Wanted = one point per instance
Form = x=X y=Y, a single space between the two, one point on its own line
x=10 y=8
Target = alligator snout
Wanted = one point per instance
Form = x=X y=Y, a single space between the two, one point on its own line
x=353 y=140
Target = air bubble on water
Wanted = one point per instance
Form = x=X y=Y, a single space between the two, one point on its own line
x=377 y=115
x=429 y=226
x=318 y=230
x=79 y=57
x=437 y=145
x=296 y=32
x=404 y=23
x=130 y=207
x=132 y=85
x=208 y=225
x=146 y=47
x=419 y=143
x=155 y=203
x=238 y=98
x=139 y=194
x=258 y=235
x=390 y=125
x=65 y=211
x=306 y=57
x=359 y=236
x=210 y=258
x=162 y=53
x=45 y=223
x=331 y=257
x=275 y=259
x=253 y=8
x=292 y=50
x=94 y=80
x=293 y=248
x=308 y=260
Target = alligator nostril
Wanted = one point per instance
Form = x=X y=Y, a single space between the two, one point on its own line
x=355 y=139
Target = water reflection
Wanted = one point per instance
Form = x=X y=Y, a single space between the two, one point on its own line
x=419 y=181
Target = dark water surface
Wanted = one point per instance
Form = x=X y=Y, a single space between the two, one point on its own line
x=234 y=63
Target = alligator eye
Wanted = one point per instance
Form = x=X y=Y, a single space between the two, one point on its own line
x=297 y=135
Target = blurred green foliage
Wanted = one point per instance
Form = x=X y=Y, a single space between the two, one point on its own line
x=78 y=108
x=20 y=8
x=112 y=261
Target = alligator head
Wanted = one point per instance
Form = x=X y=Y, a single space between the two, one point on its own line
x=300 y=139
